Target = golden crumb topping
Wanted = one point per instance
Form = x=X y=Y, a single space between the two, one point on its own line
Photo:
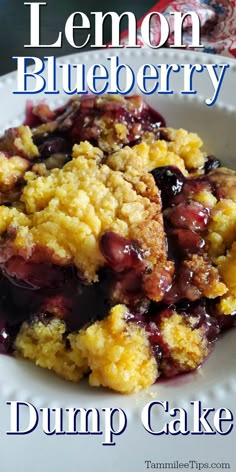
x=118 y=353
x=187 y=146
x=206 y=198
x=20 y=141
x=206 y=277
x=12 y=169
x=157 y=154
x=24 y=142
x=45 y=344
x=227 y=269
x=69 y=209
x=187 y=346
x=222 y=227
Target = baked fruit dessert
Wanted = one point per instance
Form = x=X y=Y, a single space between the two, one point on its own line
x=117 y=243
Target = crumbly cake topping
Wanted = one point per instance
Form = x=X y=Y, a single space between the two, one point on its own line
x=45 y=343
x=156 y=154
x=69 y=209
x=188 y=146
x=222 y=227
x=118 y=354
x=188 y=346
x=19 y=141
x=117 y=243
x=221 y=234
x=227 y=269
x=11 y=171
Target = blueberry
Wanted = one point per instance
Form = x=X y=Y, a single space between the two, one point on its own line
x=52 y=145
x=170 y=181
x=188 y=215
x=120 y=253
x=211 y=164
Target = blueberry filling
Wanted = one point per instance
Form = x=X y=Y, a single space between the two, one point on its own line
x=72 y=301
x=94 y=120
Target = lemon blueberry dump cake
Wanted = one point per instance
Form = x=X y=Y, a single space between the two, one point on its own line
x=117 y=243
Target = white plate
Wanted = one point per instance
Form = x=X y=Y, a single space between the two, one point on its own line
x=214 y=384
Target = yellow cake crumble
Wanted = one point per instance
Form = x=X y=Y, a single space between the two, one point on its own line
x=187 y=146
x=45 y=344
x=222 y=227
x=20 y=141
x=157 y=154
x=221 y=243
x=11 y=170
x=118 y=354
x=69 y=209
x=187 y=346
x=206 y=198
x=24 y=142
x=206 y=277
x=227 y=269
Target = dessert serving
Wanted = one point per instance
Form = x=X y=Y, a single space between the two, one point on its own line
x=118 y=243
